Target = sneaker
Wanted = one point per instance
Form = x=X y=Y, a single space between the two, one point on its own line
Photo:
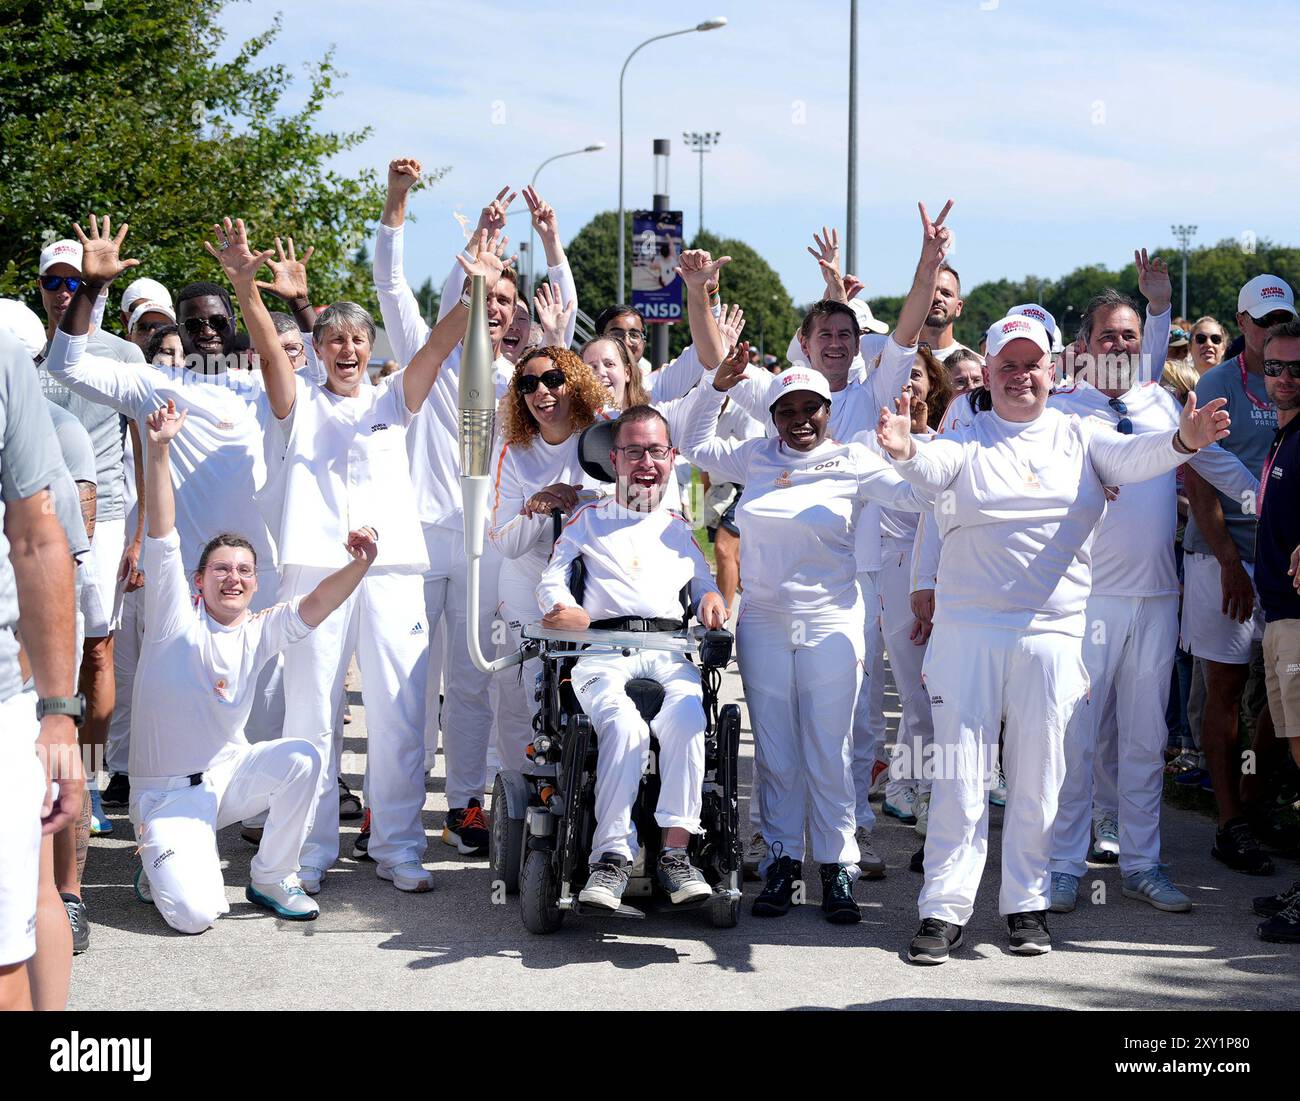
x=837 y=895
x=922 y=812
x=1184 y=762
x=1105 y=844
x=607 y=882
x=872 y=866
x=467 y=830
x=361 y=846
x=681 y=881
x=309 y=879
x=879 y=778
x=933 y=941
x=1192 y=777
x=755 y=854
x=79 y=921
x=902 y=806
x=1153 y=886
x=998 y=792
x=142 y=889
x=118 y=792
x=1271 y=905
x=1065 y=892
x=1029 y=935
x=349 y=804
x=1283 y=927
x=411 y=876
x=917 y=863
x=100 y=823
x=783 y=878
x=285 y=899
x=252 y=834
x=1235 y=846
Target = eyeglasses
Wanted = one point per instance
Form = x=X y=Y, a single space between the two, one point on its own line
x=52 y=283
x=218 y=323
x=554 y=380
x=1209 y=338
x=635 y=452
x=627 y=334
x=222 y=570
x=1274 y=367
x=1125 y=426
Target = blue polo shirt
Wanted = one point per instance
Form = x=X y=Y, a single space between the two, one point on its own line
x=1278 y=532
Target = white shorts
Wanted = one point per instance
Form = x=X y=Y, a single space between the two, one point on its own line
x=101 y=595
x=1206 y=632
x=22 y=790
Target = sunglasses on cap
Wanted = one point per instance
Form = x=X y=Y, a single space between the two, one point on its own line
x=52 y=283
x=1274 y=367
x=1209 y=338
x=1125 y=426
x=554 y=379
x=218 y=323
x=1278 y=317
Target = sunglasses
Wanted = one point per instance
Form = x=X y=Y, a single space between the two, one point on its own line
x=1278 y=317
x=52 y=283
x=1274 y=367
x=150 y=326
x=554 y=380
x=1209 y=338
x=218 y=323
x=1125 y=426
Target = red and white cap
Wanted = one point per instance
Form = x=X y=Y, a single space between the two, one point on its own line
x=145 y=290
x=1265 y=294
x=1034 y=310
x=1016 y=327
x=141 y=308
x=66 y=251
x=798 y=377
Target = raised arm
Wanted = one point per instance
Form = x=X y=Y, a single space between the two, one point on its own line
x=162 y=425
x=167 y=590
x=699 y=271
x=725 y=460
x=1121 y=460
x=557 y=264
x=1153 y=282
x=363 y=546
x=405 y=326
x=289 y=284
x=935 y=241
x=931 y=466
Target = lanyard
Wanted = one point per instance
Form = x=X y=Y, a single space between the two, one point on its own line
x=1241 y=363
x=1278 y=440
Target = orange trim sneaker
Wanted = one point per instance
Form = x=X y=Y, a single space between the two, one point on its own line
x=467 y=829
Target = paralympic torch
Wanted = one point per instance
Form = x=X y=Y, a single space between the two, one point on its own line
x=477 y=414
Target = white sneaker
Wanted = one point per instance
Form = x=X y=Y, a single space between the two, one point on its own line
x=872 y=866
x=755 y=854
x=922 y=812
x=902 y=805
x=411 y=876
x=998 y=792
x=309 y=879
x=285 y=899
x=1105 y=845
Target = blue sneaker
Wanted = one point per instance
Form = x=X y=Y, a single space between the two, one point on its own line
x=100 y=823
x=285 y=899
x=1153 y=886
x=1065 y=892
x=902 y=806
x=1192 y=777
x=142 y=889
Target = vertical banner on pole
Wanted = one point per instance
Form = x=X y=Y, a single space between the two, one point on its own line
x=656 y=249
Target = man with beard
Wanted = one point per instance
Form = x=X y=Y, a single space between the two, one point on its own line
x=945 y=308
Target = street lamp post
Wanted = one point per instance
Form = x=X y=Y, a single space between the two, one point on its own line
x=594 y=147
x=707 y=25
x=1184 y=235
x=851 y=214
x=701 y=143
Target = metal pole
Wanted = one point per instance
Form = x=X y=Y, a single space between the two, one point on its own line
x=851 y=215
x=659 y=332
x=701 y=229
x=1184 y=234
x=595 y=147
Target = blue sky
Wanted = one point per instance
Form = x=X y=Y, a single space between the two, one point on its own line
x=1068 y=133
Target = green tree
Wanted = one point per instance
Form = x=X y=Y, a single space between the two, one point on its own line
x=593 y=257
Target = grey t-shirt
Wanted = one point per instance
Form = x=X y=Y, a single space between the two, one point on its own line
x=1253 y=425
x=79 y=459
x=29 y=463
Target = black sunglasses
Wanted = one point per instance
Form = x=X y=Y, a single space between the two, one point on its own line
x=1265 y=323
x=1274 y=367
x=1212 y=338
x=554 y=379
x=52 y=283
x=1125 y=426
x=218 y=323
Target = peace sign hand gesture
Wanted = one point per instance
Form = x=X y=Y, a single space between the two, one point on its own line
x=936 y=238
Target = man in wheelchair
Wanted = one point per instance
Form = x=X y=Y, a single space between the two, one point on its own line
x=637 y=558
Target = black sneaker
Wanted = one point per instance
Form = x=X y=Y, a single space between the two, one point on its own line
x=1029 y=935
x=361 y=846
x=933 y=941
x=467 y=829
x=837 y=896
x=1283 y=927
x=1271 y=905
x=118 y=792
x=79 y=921
x=782 y=878
x=1236 y=846
x=349 y=804
x=917 y=863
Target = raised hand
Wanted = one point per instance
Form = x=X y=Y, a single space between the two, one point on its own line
x=936 y=238
x=363 y=544
x=552 y=315
x=852 y=285
x=827 y=253
x=231 y=251
x=1201 y=427
x=493 y=216
x=290 y=282
x=731 y=325
x=164 y=422
x=698 y=269
x=543 y=215
x=403 y=174
x=732 y=369
x=894 y=430
x=1153 y=281
x=101 y=262
x=488 y=252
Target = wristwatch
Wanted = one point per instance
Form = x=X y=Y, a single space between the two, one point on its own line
x=72 y=706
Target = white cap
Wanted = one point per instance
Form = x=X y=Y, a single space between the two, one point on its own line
x=143 y=308
x=866 y=319
x=1016 y=327
x=148 y=290
x=796 y=378
x=17 y=318
x=66 y=251
x=1264 y=294
x=1043 y=317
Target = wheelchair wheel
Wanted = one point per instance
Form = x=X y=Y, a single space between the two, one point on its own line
x=507 y=844
x=538 y=895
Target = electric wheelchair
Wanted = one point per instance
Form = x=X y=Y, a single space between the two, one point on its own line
x=543 y=817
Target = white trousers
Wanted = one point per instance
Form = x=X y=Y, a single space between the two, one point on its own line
x=916 y=730
x=176 y=825
x=517 y=687
x=623 y=741
x=978 y=679
x=22 y=789
x=1128 y=651
x=466 y=710
x=868 y=711
x=801 y=673
x=383 y=623
x=1105 y=761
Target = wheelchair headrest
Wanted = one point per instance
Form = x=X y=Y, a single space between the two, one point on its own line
x=594 y=446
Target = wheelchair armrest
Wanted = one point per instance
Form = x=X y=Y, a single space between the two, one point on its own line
x=715 y=647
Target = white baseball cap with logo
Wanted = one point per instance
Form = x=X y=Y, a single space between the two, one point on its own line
x=17 y=318
x=145 y=290
x=1016 y=327
x=66 y=251
x=143 y=307
x=1265 y=294
x=796 y=378
x=1044 y=317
